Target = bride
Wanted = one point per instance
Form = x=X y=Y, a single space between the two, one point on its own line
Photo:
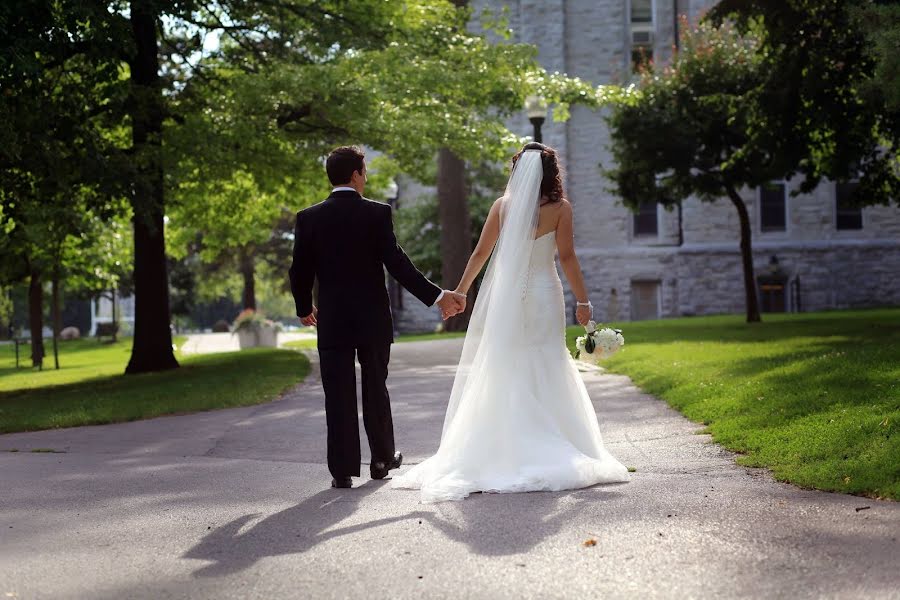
x=519 y=417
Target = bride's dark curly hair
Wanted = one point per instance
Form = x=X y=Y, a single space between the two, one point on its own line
x=551 y=184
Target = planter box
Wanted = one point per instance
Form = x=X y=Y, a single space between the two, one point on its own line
x=266 y=337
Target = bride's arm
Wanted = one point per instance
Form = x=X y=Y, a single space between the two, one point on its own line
x=489 y=234
x=565 y=244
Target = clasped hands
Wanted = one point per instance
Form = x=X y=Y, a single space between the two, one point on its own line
x=451 y=305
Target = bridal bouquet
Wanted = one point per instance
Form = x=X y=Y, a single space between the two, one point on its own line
x=597 y=344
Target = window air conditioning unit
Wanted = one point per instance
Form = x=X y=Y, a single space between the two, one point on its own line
x=641 y=37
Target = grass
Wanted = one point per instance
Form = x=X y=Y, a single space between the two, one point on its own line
x=79 y=360
x=814 y=397
x=90 y=388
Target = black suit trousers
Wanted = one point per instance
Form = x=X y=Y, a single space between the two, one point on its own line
x=338 y=370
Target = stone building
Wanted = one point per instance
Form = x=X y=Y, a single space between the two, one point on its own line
x=811 y=252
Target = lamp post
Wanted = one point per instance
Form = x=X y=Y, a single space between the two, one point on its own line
x=395 y=294
x=392 y=192
x=536 y=109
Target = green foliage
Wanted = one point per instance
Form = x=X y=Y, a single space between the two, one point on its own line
x=418 y=226
x=694 y=126
x=821 y=97
x=91 y=389
x=6 y=310
x=813 y=397
x=253 y=118
x=251 y=95
x=881 y=25
x=251 y=320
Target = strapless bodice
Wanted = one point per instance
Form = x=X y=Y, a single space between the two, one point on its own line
x=542 y=266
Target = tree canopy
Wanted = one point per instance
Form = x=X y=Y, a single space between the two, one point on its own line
x=696 y=128
x=827 y=95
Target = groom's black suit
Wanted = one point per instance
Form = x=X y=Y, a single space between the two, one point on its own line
x=345 y=242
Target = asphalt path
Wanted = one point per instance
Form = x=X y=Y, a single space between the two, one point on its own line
x=235 y=504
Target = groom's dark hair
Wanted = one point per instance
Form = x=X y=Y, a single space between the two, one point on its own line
x=342 y=162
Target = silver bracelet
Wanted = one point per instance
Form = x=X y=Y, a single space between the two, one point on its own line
x=588 y=303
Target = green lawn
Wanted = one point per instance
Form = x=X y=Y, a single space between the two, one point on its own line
x=79 y=360
x=814 y=397
x=90 y=388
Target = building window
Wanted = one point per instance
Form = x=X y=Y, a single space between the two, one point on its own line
x=642 y=29
x=644 y=300
x=645 y=221
x=846 y=215
x=772 y=207
x=642 y=11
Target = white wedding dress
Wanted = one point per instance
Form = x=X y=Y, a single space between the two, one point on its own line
x=519 y=417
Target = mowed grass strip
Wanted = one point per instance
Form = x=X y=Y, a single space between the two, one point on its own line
x=96 y=392
x=79 y=360
x=815 y=397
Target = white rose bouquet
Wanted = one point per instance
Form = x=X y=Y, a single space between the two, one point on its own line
x=597 y=344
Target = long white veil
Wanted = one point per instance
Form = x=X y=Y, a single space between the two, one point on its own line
x=498 y=318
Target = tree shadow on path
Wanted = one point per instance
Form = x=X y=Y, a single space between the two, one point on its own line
x=291 y=531
x=507 y=524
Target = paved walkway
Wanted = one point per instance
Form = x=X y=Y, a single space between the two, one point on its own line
x=235 y=504
x=210 y=343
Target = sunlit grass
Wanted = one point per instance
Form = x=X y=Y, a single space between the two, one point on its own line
x=814 y=397
x=91 y=387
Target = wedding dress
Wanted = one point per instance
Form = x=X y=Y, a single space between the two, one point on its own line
x=519 y=417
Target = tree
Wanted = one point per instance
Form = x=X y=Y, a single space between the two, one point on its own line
x=881 y=26
x=697 y=127
x=453 y=212
x=821 y=63
x=419 y=225
x=393 y=91
x=455 y=230
x=60 y=149
x=284 y=78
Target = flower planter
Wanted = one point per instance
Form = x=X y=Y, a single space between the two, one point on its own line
x=247 y=338
x=265 y=336
x=268 y=336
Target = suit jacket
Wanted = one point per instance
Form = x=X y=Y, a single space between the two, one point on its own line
x=345 y=242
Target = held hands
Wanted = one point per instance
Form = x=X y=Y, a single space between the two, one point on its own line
x=583 y=314
x=451 y=304
x=310 y=319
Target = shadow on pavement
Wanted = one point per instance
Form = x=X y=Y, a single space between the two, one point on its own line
x=506 y=524
x=232 y=548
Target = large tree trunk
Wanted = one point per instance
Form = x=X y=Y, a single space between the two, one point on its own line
x=453 y=213
x=456 y=233
x=152 y=349
x=746 y=255
x=248 y=297
x=36 y=317
x=57 y=318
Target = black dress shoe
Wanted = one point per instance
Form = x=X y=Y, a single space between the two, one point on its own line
x=342 y=482
x=379 y=470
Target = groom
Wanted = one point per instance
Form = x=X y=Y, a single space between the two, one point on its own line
x=345 y=242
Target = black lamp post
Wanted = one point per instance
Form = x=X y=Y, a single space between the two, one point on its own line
x=536 y=109
x=395 y=294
